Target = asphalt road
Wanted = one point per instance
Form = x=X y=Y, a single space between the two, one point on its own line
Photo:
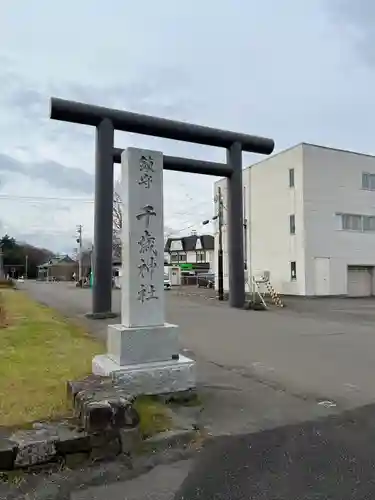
x=286 y=364
x=316 y=349
x=330 y=459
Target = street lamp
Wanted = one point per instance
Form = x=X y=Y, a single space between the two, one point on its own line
x=220 y=266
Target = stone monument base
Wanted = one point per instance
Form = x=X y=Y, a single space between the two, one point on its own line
x=146 y=344
x=159 y=377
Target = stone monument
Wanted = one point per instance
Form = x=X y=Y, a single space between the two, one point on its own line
x=143 y=351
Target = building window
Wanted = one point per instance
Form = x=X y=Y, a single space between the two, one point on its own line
x=293 y=271
x=368 y=223
x=174 y=257
x=351 y=222
x=201 y=256
x=292 y=224
x=359 y=223
x=178 y=257
x=368 y=181
x=291 y=177
x=182 y=257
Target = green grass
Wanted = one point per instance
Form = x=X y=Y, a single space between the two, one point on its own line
x=155 y=416
x=39 y=352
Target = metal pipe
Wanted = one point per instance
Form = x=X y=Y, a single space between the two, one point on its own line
x=103 y=218
x=235 y=228
x=190 y=165
x=87 y=114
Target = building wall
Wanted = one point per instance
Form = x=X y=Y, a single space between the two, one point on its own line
x=191 y=256
x=268 y=202
x=210 y=258
x=327 y=183
x=333 y=185
x=272 y=246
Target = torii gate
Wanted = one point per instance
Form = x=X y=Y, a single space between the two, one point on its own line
x=106 y=121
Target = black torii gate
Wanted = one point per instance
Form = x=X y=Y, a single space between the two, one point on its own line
x=106 y=121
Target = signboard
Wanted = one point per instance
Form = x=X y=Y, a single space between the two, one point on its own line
x=186 y=266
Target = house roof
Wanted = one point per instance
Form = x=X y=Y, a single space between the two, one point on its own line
x=63 y=259
x=189 y=243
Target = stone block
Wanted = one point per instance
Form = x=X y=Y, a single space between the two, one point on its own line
x=108 y=413
x=124 y=414
x=75 y=460
x=105 y=445
x=66 y=434
x=132 y=346
x=8 y=453
x=95 y=389
x=73 y=442
x=149 y=378
x=96 y=416
x=130 y=439
x=34 y=447
x=91 y=382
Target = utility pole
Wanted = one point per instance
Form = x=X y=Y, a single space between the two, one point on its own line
x=220 y=260
x=92 y=260
x=79 y=241
x=26 y=266
x=220 y=257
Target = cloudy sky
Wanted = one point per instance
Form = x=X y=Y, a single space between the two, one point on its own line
x=291 y=70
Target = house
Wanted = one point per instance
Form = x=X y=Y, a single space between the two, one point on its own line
x=309 y=221
x=59 y=268
x=193 y=253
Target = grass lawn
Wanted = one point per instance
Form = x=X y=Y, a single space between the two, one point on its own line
x=154 y=416
x=39 y=352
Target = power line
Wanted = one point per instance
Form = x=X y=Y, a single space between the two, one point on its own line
x=44 y=198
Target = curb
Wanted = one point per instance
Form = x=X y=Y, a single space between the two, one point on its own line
x=65 y=444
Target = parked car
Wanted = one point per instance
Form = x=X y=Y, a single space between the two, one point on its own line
x=206 y=280
x=167 y=282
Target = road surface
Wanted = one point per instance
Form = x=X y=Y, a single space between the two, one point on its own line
x=309 y=350
x=264 y=373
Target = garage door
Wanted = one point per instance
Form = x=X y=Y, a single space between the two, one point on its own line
x=359 y=281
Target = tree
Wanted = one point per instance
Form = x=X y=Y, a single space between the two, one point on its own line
x=18 y=255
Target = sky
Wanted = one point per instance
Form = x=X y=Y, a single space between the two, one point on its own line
x=290 y=70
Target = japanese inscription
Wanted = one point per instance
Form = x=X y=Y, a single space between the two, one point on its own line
x=148 y=254
x=147 y=243
x=146 y=168
x=146 y=212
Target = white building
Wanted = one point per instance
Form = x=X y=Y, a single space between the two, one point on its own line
x=192 y=252
x=309 y=215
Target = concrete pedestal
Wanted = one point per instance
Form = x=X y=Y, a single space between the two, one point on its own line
x=149 y=378
x=146 y=344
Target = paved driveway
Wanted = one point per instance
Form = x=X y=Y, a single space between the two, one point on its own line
x=322 y=350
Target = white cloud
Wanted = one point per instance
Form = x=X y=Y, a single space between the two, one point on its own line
x=290 y=70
